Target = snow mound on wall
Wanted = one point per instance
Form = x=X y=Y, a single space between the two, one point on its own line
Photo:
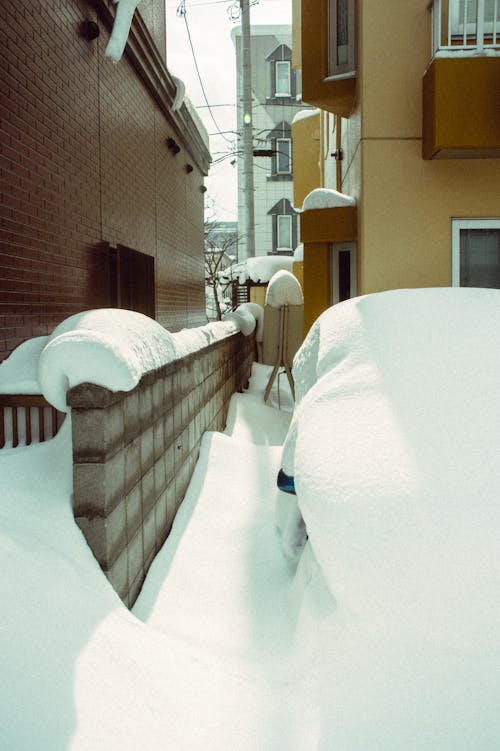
x=304 y=114
x=258 y=269
x=326 y=198
x=121 y=27
x=394 y=447
x=110 y=348
x=298 y=253
x=115 y=348
x=284 y=289
x=19 y=372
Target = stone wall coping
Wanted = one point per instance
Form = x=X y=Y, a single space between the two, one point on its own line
x=92 y=396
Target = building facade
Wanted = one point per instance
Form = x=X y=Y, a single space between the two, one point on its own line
x=408 y=124
x=102 y=171
x=275 y=101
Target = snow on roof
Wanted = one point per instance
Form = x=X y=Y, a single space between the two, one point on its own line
x=326 y=198
x=110 y=348
x=303 y=114
x=284 y=289
x=298 y=253
x=257 y=269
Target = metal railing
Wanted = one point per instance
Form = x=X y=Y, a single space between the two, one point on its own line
x=470 y=26
x=27 y=419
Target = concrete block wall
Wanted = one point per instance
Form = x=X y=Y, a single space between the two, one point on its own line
x=134 y=454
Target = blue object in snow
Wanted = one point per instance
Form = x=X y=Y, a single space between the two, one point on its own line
x=286 y=483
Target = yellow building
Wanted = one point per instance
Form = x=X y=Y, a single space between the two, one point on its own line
x=408 y=125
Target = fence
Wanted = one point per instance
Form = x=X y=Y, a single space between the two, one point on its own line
x=27 y=419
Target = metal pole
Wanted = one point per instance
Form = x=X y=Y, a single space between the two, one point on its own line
x=248 y=187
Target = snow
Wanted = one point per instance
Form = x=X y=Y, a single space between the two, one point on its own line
x=257 y=269
x=121 y=26
x=298 y=253
x=304 y=114
x=19 y=372
x=326 y=198
x=377 y=632
x=204 y=662
x=284 y=289
x=394 y=448
x=111 y=348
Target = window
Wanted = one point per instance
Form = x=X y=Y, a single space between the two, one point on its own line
x=476 y=253
x=341 y=43
x=343 y=265
x=130 y=279
x=284 y=232
x=283 y=78
x=284 y=227
x=283 y=156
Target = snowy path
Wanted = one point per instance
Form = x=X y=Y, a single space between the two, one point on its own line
x=205 y=661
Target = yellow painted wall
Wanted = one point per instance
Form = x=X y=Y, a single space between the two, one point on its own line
x=306 y=173
x=405 y=204
x=406 y=212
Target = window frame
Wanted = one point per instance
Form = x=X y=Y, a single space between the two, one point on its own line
x=348 y=69
x=458 y=224
x=283 y=94
x=336 y=249
x=279 y=141
x=289 y=218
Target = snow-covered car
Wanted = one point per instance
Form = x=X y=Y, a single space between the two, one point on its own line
x=394 y=449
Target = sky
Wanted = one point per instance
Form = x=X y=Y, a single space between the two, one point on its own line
x=209 y=24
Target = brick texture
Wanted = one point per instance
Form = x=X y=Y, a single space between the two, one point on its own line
x=83 y=160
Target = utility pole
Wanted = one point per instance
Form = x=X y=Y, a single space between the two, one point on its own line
x=248 y=187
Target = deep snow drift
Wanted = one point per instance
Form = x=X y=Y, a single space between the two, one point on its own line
x=205 y=662
x=380 y=631
x=394 y=447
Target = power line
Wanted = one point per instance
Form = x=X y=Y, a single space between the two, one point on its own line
x=181 y=11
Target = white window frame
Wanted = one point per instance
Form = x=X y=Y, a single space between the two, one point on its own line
x=336 y=69
x=279 y=143
x=335 y=250
x=456 y=226
x=288 y=217
x=288 y=93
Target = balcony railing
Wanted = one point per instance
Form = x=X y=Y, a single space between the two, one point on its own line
x=465 y=27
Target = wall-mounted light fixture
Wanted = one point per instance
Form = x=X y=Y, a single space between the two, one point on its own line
x=89 y=30
x=173 y=146
x=188 y=168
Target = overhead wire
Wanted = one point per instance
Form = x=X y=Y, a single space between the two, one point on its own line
x=182 y=12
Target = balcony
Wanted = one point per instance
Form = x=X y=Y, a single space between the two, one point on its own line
x=461 y=86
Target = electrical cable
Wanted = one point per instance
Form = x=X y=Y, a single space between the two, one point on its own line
x=182 y=12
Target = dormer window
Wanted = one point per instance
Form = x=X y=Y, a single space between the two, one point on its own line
x=284 y=227
x=283 y=82
x=282 y=75
x=281 y=147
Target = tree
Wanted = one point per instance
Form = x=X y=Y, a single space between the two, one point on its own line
x=220 y=252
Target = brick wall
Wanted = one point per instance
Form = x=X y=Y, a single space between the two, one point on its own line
x=84 y=160
x=134 y=454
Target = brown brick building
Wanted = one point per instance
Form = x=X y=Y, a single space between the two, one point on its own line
x=101 y=181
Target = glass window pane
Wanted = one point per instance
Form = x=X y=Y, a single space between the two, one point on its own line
x=284 y=231
x=480 y=258
x=342 y=41
x=283 y=157
x=283 y=77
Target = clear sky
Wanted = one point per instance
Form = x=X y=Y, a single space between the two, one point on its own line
x=209 y=23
